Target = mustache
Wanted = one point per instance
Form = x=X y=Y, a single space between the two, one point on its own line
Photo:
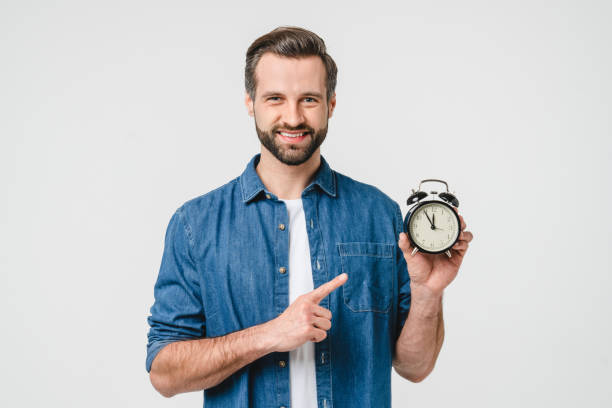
x=303 y=127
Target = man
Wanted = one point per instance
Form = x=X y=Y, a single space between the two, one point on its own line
x=294 y=285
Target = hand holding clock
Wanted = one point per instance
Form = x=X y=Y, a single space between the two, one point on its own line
x=434 y=272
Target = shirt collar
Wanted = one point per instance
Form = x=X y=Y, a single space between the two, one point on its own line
x=251 y=184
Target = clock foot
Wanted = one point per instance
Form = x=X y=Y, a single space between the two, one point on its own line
x=448 y=253
x=414 y=251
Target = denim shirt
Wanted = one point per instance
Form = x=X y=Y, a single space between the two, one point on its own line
x=225 y=268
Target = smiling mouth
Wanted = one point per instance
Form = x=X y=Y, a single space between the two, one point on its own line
x=293 y=135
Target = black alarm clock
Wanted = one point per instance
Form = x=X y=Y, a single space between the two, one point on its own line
x=432 y=225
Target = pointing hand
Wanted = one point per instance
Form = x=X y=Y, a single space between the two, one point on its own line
x=304 y=320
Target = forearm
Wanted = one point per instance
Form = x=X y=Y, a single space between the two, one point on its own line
x=193 y=365
x=421 y=338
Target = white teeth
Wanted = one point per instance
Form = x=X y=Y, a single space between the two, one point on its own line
x=291 y=134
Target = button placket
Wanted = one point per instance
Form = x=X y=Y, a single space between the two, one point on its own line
x=320 y=276
x=280 y=228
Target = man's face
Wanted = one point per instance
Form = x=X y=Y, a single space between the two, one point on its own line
x=290 y=107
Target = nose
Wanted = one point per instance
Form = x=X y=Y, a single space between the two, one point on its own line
x=293 y=114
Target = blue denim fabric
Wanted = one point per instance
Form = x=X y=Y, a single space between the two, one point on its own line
x=220 y=273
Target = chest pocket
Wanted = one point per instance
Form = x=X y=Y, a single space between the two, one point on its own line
x=369 y=266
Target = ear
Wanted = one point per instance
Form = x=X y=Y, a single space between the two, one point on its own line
x=331 y=105
x=248 y=103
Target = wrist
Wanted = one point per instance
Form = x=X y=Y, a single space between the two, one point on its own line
x=424 y=302
x=424 y=292
x=265 y=338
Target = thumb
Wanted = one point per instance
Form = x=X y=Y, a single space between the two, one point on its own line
x=404 y=243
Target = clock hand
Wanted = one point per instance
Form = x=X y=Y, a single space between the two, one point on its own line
x=433 y=216
x=432 y=225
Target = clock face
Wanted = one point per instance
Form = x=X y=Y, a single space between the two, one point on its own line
x=434 y=227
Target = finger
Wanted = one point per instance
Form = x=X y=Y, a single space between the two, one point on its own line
x=461 y=221
x=404 y=243
x=460 y=252
x=325 y=289
x=463 y=225
x=322 y=312
x=321 y=323
x=466 y=236
x=461 y=245
x=318 y=335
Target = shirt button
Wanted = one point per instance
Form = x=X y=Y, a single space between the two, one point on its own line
x=282 y=364
x=281 y=227
x=282 y=269
x=268 y=196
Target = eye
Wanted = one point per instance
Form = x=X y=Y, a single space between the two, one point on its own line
x=273 y=98
x=309 y=99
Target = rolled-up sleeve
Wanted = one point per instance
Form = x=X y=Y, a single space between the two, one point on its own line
x=177 y=312
x=403 y=279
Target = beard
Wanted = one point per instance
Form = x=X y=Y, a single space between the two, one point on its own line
x=291 y=154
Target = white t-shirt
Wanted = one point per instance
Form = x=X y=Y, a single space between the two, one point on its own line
x=302 y=377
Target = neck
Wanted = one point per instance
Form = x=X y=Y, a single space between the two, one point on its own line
x=284 y=181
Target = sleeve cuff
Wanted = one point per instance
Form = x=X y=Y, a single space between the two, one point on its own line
x=153 y=349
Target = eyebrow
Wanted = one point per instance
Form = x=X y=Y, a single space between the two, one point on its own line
x=276 y=93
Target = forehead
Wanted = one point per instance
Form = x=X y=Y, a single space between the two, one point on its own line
x=290 y=75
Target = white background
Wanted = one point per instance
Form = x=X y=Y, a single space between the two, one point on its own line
x=114 y=113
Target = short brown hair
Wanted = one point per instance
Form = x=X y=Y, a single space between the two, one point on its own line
x=291 y=42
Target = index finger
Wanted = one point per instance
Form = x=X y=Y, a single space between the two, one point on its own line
x=325 y=289
x=461 y=220
x=463 y=225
